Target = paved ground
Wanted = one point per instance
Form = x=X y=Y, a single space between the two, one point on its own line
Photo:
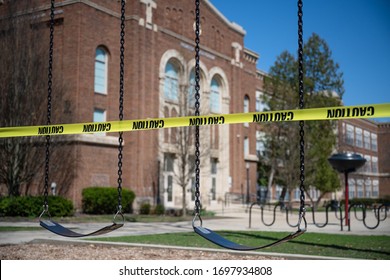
x=236 y=218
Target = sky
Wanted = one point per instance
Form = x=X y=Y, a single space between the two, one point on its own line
x=356 y=31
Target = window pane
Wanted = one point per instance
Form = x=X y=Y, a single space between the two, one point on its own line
x=168 y=162
x=359 y=137
x=214 y=163
x=374 y=144
x=374 y=163
x=375 y=188
x=367 y=143
x=246 y=104
x=350 y=135
x=359 y=188
x=367 y=188
x=99 y=115
x=246 y=146
x=100 y=71
x=215 y=97
x=171 y=83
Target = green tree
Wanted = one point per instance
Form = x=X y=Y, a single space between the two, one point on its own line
x=323 y=85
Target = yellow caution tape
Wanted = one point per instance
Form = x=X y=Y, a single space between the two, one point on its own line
x=331 y=113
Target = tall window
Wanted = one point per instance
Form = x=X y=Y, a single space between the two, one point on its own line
x=350 y=139
x=374 y=142
x=360 y=188
x=191 y=90
x=367 y=165
x=374 y=163
x=215 y=96
x=367 y=142
x=246 y=146
x=171 y=83
x=367 y=187
x=375 y=188
x=359 y=137
x=246 y=104
x=101 y=71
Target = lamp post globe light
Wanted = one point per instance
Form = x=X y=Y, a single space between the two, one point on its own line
x=346 y=163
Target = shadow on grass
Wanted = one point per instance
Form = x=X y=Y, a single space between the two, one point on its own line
x=241 y=235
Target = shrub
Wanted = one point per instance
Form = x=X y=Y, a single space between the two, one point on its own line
x=145 y=208
x=32 y=206
x=159 y=209
x=104 y=200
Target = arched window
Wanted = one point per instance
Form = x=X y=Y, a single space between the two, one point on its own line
x=246 y=104
x=100 y=71
x=215 y=92
x=171 y=83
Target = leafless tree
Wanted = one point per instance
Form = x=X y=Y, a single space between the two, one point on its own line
x=182 y=145
x=23 y=101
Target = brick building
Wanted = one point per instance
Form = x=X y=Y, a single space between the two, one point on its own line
x=159 y=62
x=369 y=139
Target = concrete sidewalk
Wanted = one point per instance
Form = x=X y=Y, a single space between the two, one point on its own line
x=235 y=218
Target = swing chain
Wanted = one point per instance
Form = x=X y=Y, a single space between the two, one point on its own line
x=49 y=94
x=197 y=111
x=302 y=209
x=121 y=94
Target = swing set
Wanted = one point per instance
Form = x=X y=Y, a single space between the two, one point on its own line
x=45 y=219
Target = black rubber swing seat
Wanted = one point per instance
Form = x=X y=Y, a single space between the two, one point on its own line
x=63 y=231
x=59 y=229
x=217 y=239
x=225 y=243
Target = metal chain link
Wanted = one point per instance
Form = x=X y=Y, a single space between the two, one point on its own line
x=302 y=209
x=121 y=94
x=48 y=115
x=197 y=108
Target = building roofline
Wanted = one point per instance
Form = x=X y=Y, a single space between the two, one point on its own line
x=236 y=27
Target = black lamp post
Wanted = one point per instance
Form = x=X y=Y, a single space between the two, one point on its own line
x=346 y=163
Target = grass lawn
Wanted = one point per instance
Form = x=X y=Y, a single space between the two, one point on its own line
x=318 y=244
